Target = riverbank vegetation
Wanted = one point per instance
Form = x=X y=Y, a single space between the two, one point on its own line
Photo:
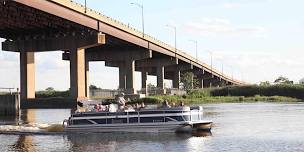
x=214 y=99
x=249 y=93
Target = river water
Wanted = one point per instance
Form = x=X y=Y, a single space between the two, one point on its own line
x=238 y=127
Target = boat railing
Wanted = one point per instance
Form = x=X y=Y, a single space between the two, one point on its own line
x=195 y=114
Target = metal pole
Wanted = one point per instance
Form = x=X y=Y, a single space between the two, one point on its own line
x=196 y=55
x=222 y=68
x=211 y=61
x=85 y=6
x=143 y=22
x=175 y=43
x=142 y=16
x=196 y=51
x=231 y=72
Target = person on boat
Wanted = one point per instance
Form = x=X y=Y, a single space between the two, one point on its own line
x=173 y=104
x=121 y=101
x=142 y=106
x=136 y=106
x=166 y=104
x=96 y=107
x=182 y=104
x=129 y=108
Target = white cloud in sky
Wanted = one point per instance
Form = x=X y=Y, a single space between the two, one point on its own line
x=232 y=5
x=222 y=27
x=235 y=4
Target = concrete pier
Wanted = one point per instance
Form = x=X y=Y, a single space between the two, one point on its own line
x=27 y=75
x=77 y=74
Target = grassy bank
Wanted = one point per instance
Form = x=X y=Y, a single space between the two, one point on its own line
x=250 y=93
x=286 y=90
x=215 y=99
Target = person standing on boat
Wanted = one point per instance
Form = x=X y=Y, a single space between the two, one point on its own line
x=121 y=101
x=166 y=104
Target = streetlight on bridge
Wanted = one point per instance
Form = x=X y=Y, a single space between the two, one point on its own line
x=231 y=72
x=194 y=41
x=174 y=28
x=211 y=60
x=222 y=61
x=142 y=16
x=85 y=6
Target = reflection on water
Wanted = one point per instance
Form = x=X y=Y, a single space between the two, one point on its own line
x=23 y=143
x=237 y=127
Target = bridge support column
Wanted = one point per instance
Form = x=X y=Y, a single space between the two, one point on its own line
x=176 y=79
x=122 y=78
x=160 y=72
x=77 y=74
x=27 y=75
x=87 y=82
x=130 y=73
x=200 y=83
x=144 y=75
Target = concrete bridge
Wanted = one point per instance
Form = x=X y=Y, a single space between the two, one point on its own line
x=85 y=35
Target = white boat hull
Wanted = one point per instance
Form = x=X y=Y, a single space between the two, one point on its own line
x=147 y=127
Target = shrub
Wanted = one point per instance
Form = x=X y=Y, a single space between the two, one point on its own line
x=287 y=90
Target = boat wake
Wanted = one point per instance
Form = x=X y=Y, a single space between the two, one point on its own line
x=32 y=128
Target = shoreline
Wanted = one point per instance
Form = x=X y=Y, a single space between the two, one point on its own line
x=217 y=99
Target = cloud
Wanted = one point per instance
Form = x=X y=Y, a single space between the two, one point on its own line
x=232 y=5
x=222 y=27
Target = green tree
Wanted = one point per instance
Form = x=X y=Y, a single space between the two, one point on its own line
x=94 y=87
x=49 y=89
x=188 y=81
x=151 y=86
x=283 y=80
x=265 y=83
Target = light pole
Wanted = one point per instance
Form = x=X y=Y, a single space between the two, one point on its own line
x=231 y=72
x=222 y=67
x=142 y=16
x=174 y=28
x=85 y=6
x=211 y=61
x=194 y=41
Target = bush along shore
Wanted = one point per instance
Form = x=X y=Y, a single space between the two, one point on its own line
x=236 y=94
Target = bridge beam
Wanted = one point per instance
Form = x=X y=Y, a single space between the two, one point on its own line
x=27 y=75
x=55 y=43
x=156 y=62
x=112 y=53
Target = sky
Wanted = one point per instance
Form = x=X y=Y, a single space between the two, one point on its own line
x=254 y=40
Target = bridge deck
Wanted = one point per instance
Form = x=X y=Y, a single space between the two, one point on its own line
x=21 y=19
